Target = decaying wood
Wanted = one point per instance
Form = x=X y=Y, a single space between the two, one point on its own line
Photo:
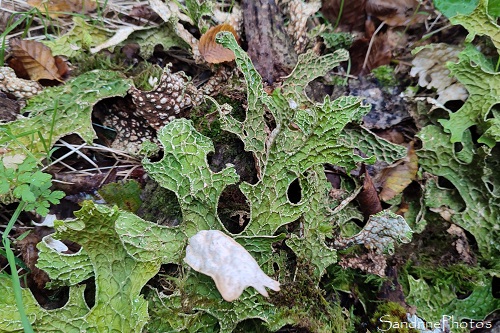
x=269 y=45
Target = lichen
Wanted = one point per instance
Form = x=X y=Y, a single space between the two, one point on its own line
x=119 y=279
x=126 y=251
x=56 y=112
x=306 y=136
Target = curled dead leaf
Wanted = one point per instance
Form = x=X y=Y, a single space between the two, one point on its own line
x=396 y=179
x=211 y=51
x=369 y=202
x=461 y=244
x=36 y=59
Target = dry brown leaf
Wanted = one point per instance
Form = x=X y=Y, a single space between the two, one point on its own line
x=395 y=13
x=211 y=51
x=397 y=178
x=380 y=54
x=29 y=252
x=18 y=68
x=392 y=135
x=36 y=58
x=369 y=202
x=61 y=8
x=352 y=15
x=462 y=244
x=62 y=66
x=144 y=12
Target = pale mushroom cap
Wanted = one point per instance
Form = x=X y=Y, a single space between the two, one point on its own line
x=217 y=255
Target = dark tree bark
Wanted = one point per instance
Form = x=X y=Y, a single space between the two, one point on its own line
x=269 y=45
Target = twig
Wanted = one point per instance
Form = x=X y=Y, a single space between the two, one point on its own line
x=370 y=45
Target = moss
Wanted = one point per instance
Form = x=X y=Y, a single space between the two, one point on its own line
x=463 y=279
x=385 y=75
x=391 y=317
x=102 y=60
x=118 y=61
x=302 y=300
x=206 y=118
x=160 y=205
x=337 y=40
x=146 y=71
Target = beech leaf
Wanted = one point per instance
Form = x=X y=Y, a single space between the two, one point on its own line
x=211 y=51
x=37 y=59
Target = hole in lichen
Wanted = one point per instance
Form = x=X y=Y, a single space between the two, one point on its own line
x=165 y=281
x=490 y=178
x=233 y=209
x=276 y=267
x=475 y=133
x=445 y=183
x=454 y=105
x=250 y=325
x=472 y=241
x=457 y=146
x=50 y=299
x=90 y=292
x=494 y=112
x=229 y=149
x=294 y=192
x=334 y=179
x=238 y=112
x=160 y=205
x=495 y=287
x=490 y=186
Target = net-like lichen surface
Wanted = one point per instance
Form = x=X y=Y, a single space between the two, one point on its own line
x=473 y=169
x=123 y=252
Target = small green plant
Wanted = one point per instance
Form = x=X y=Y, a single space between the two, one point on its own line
x=30 y=187
x=385 y=75
x=17 y=20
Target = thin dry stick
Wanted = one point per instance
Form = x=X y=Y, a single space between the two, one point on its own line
x=371 y=43
x=59 y=159
x=88 y=171
x=73 y=149
x=108 y=173
x=429 y=28
x=436 y=31
x=129 y=172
